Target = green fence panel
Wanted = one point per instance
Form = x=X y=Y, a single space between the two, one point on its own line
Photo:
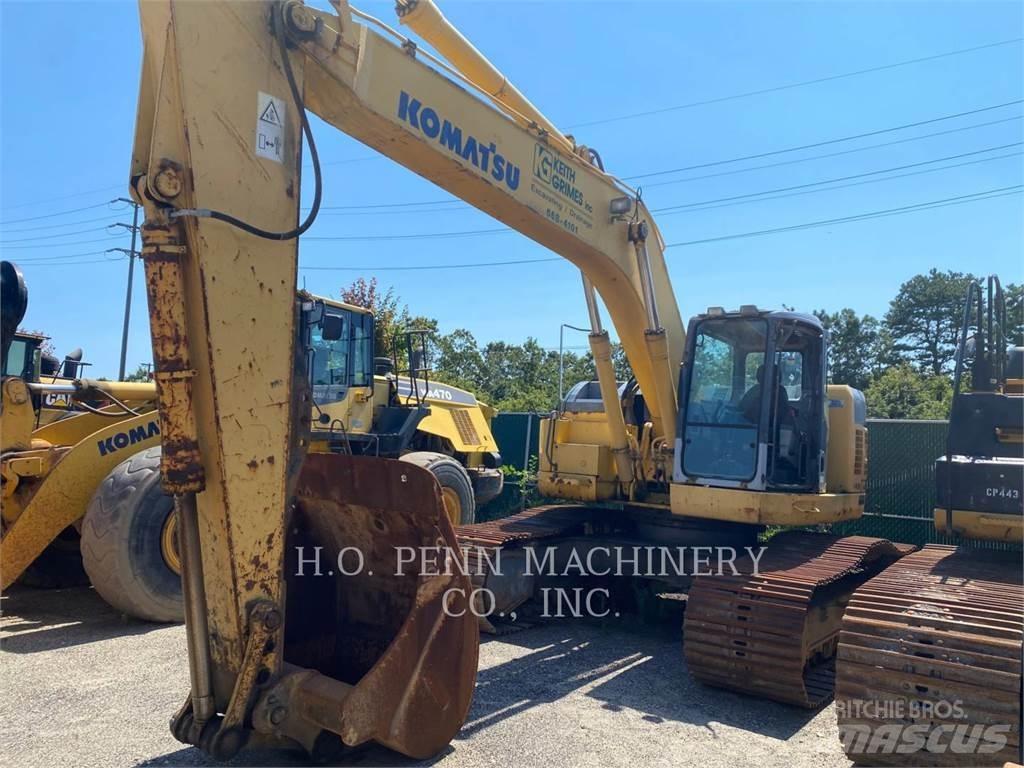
x=510 y=432
x=901 y=480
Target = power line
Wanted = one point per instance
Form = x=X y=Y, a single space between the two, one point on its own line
x=62 y=197
x=788 y=86
x=929 y=205
x=825 y=143
x=76 y=263
x=677 y=208
x=39 y=259
x=61 y=213
x=417 y=267
x=61 y=245
x=419 y=236
x=697 y=207
x=57 y=226
x=667 y=210
x=53 y=237
x=959 y=200
x=822 y=156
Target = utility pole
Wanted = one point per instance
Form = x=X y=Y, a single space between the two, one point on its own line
x=132 y=253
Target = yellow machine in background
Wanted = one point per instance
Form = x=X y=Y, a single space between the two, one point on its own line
x=72 y=486
x=363 y=407
x=939 y=636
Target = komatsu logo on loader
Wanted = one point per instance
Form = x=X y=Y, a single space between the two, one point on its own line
x=123 y=439
x=484 y=156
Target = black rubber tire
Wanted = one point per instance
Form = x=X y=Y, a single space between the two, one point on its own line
x=59 y=566
x=449 y=474
x=121 y=535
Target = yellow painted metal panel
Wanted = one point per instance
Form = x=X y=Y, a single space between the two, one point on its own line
x=763 y=508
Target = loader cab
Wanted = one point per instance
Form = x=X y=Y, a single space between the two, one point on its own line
x=752 y=402
x=340 y=349
x=24 y=357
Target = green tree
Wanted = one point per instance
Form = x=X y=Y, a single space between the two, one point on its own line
x=925 y=317
x=142 y=373
x=391 y=317
x=1014 y=294
x=856 y=346
x=901 y=392
x=457 y=361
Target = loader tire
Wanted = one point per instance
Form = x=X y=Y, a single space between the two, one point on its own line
x=124 y=541
x=456 y=487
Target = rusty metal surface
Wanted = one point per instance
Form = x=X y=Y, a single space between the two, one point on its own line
x=942 y=625
x=530 y=525
x=774 y=634
x=383 y=630
x=180 y=462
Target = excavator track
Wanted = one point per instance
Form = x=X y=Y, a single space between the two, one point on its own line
x=774 y=634
x=934 y=640
x=527 y=526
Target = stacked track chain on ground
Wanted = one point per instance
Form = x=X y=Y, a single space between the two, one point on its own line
x=935 y=639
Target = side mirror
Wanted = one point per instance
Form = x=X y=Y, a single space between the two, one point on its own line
x=331 y=327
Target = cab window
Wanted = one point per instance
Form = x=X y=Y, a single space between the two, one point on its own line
x=720 y=433
x=19 y=359
x=362 y=350
x=331 y=357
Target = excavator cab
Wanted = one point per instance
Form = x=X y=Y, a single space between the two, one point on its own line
x=752 y=410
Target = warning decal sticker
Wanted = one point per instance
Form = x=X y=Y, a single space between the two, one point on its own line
x=270 y=128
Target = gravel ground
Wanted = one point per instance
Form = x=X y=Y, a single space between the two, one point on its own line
x=84 y=687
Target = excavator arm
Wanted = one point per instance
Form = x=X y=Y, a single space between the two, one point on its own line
x=217 y=166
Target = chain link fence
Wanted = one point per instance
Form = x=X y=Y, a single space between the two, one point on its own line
x=901 y=477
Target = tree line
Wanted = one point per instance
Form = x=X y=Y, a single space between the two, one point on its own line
x=903 y=361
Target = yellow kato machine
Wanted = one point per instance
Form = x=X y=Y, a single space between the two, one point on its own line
x=362 y=405
x=728 y=429
x=929 y=669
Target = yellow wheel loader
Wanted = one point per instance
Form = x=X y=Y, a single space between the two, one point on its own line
x=930 y=654
x=364 y=406
x=728 y=429
x=68 y=484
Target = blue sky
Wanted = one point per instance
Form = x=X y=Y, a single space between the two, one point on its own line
x=69 y=79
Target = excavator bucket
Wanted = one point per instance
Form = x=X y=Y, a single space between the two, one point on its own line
x=376 y=601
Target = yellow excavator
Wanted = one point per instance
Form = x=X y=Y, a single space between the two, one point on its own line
x=727 y=429
x=929 y=658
